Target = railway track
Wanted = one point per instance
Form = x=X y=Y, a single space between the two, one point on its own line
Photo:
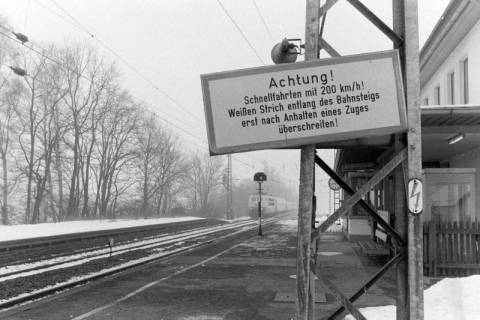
x=68 y=271
x=24 y=250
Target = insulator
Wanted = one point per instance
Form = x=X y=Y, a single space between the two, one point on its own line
x=18 y=71
x=21 y=37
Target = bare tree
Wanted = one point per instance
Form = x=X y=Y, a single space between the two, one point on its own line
x=148 y=137
x=31 y=117
x=81 y=147
x=171 y=166
x=204 y=174
x=51 y=130
x=86 y=80
x=9 y=102
x=159 y=164
x=114 y=147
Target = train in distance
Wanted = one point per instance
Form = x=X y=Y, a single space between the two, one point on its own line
x=270 y=205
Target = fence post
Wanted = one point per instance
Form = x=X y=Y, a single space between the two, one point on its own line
x=432 y=248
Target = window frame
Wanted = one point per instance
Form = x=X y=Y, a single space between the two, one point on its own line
x=451 y=88
x=464 y=83
x=436 y=95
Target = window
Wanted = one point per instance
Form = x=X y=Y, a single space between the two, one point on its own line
x=436 y=95
x=451 y=88
x=425 y=101
x=450 y=194
x=464 y=80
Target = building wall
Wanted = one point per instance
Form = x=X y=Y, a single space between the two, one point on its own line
x=359 y=229
x=468 y=47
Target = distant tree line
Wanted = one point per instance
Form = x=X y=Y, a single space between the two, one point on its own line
x=74 y=144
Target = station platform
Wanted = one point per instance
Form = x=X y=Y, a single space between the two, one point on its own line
x=249 y=277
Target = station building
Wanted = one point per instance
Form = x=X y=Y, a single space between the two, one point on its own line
x=450 y=117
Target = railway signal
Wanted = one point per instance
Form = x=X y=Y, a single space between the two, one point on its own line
x=260 y=177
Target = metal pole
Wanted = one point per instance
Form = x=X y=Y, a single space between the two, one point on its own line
x=406 y=25
x=400 y=208
x=305 y=304
x=229 y=190
x=260 y=209
x=414 y=140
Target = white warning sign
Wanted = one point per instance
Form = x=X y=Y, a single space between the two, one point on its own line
x=294 y=104
x=415 y=196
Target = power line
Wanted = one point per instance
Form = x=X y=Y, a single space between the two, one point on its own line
x=263 y=21
x=27 y=9
x=58 y=15
x=139 y=105
x=129 y=65
x=244 y=163
x=73 y=19
x=241 y=32
x=89 y=79
x=75 y=22
x=59 y=63
x=80 y=26
x=66 y=67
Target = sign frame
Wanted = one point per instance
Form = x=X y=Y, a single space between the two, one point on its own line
x=294 y=143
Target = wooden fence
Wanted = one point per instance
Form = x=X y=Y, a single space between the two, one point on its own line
x=451 y=248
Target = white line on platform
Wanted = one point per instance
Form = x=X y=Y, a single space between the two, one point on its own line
x=145 y=287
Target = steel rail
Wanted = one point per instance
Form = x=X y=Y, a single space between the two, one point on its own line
x=28 y=243
x=105 y=252
x=25 y=298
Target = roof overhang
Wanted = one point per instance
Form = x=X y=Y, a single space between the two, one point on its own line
x=458 y=19
x=439 y=125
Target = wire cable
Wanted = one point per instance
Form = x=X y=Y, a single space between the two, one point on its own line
x=140 y=105
x=75 y=22
x=60 y=64
x=128 y=64
x=263 y=21
x=240 y=31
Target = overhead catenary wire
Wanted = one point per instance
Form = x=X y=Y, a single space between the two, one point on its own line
x=27 y=10
x=69 y=21
x=82 y=27
x=128 y=64
x=263 y=21
x=170 y=123
x=75 y=22
x=141 y=104
x=89 y=79
x=59 y=63
x=63 y=66
x=240 y=31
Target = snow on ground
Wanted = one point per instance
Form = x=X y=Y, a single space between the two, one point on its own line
x=448 y=299
x=155 y=255
x=289 y=222
x=83 y=257
x=28 y=231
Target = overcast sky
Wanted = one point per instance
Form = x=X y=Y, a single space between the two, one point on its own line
x=168 y=44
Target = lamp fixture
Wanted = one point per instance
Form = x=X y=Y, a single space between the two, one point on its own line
x=456 y=138
x=286 y=51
